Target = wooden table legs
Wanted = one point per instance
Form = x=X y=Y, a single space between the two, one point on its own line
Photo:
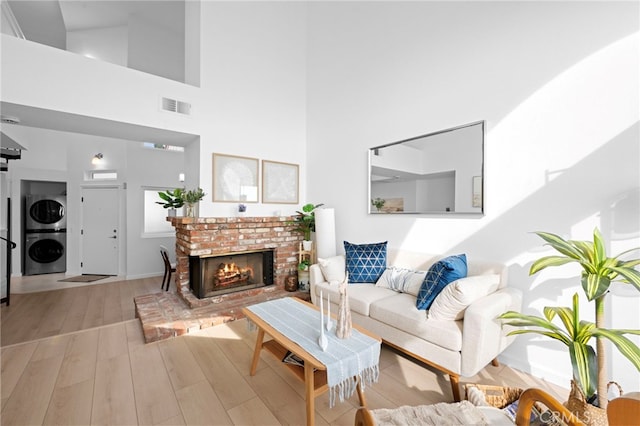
x=310 y=395
x=256 y=352
x=309 y=379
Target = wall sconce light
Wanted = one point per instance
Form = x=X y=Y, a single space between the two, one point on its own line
x=97 y=159
x=181 y=177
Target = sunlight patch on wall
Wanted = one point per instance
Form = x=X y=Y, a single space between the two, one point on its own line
x=566 y=120
x=573 y=115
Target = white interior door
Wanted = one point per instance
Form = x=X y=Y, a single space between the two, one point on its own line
x=100 y=230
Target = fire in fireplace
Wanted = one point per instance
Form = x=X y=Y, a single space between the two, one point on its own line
x=215 y=275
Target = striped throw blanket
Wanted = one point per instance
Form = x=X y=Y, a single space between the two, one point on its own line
x=345 y=359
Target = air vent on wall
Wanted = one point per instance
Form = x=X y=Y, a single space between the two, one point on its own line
x=174 y=105
x=9 y=120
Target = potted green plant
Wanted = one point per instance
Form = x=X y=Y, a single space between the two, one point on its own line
x=378 y=203
x=599 y=271
x=576 y=336
x=305 y=222
x=191 y=197
x=303 y=274
x=172 y=200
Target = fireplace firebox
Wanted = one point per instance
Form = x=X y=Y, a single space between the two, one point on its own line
x=221 y=274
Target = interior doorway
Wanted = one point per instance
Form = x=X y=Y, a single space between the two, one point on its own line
x=100 y=230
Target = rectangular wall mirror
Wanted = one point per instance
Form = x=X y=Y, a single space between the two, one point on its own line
x=439 y=173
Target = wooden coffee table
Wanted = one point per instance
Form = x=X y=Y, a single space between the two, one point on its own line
x=313 y=374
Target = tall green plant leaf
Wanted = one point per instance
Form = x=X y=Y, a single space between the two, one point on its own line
x=629 y=274
x=560 y=245
x=624 y=345
x=594 y=285
x=583 y=361
x=588 y=255
x=546 y=261
x=598 y=246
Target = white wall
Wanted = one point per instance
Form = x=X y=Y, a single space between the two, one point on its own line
x=37 y=75
x=105 y=44
x=558 y=86
x=154 y=49
x=66 y=157
x=253 y=90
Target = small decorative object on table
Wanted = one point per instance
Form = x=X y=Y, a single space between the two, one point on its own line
x=242 y=208
x=343 y=327
x=329 y=322
x=322 y=340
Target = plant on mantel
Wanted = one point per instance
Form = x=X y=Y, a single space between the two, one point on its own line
x=599 y=271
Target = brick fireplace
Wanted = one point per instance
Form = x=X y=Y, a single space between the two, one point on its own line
x=205 y=237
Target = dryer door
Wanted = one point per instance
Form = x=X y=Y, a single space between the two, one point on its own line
x=45 y=214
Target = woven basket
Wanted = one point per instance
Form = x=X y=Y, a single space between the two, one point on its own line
x=587 y=413
x=496 y=396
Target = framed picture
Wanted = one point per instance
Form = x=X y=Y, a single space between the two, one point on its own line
x=279 y=182
x=235 y=179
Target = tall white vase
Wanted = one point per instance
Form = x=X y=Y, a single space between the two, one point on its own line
x=343 y=326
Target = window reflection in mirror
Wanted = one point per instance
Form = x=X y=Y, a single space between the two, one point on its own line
x=438 y=173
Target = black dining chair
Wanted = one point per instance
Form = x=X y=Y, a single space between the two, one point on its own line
x=168 y=267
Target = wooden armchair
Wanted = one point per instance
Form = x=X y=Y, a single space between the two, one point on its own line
x=624 y=410
x=529 y=397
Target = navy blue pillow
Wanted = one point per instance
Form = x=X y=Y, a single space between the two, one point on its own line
x=440 y=274
x=365 y=262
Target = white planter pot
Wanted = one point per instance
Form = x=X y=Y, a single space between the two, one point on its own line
x=171 y=213
x=303 y=280
x=307 y=245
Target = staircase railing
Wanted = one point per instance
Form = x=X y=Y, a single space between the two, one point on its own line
x=10 y=246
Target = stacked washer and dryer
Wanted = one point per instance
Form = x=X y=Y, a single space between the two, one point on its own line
x=45 y=234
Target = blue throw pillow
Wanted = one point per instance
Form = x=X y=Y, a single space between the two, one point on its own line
x=440 y=274
x=365 y=262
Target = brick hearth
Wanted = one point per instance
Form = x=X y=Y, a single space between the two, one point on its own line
x=165 y=315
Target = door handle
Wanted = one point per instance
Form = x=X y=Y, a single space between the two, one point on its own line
x=114 y=237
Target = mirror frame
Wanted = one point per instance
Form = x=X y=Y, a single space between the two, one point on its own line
x=477 y=186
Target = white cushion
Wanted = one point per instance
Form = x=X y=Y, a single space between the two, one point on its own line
x=495 y=416
x=362 y=295
x=401 y=280
x=333 y=268
x=454 y=299
x=400 y=312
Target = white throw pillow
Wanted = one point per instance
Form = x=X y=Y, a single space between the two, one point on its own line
x=401 y=280
x=333 y=268
x=451 y=303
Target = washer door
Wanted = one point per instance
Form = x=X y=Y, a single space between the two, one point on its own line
x=46 y=212
x=46 y=251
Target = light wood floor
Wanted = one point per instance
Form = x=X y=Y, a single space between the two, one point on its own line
x=108 y=375
x=41 y=314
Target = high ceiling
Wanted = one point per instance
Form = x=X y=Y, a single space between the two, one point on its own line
x=48 y=21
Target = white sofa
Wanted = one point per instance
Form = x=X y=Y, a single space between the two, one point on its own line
x=455 y=347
